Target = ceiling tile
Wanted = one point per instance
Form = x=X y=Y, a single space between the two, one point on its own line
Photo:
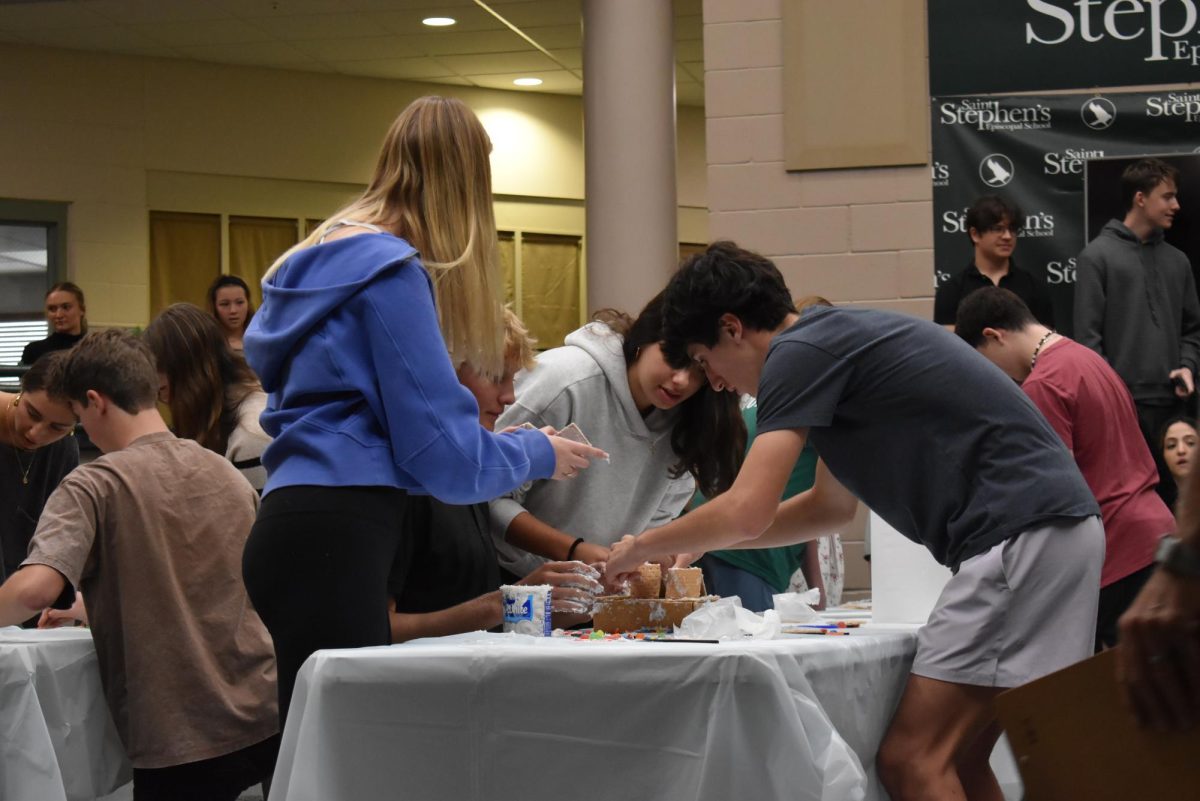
x=535 y=13
x=360 y=49
x=440 y=43
x=556 y=36
x=413 y=69
x=469 y=18
x=254 y=9
x=528 y=62
x=552 y=81
x=261 y=54
x=143 y=12
x=693 y=69
x=345 y=25
x=111 y=38
x=306 y=66
x=689 y=94
x=689 y=50
x=450 y=81
x=411 y=5
x=689 y=28
x=569 y=58
x=201 y=32
x=35 y=16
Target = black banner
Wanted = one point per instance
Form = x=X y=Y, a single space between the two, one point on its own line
x=991 y=46
x=1036 y=151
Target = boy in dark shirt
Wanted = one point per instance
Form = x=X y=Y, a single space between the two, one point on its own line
x=944 y=447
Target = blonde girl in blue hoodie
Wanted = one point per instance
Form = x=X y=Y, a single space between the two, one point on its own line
x=364 y=405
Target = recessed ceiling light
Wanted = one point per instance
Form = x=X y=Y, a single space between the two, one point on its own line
x=438 y=22
x=528 y=81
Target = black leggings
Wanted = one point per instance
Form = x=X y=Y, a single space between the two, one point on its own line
x=316 y=568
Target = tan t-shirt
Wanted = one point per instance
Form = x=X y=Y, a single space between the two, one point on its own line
x=153 y=536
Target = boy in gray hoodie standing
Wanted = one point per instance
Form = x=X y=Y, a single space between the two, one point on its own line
x=1136 y=303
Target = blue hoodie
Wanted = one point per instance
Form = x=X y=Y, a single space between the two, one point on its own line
x=361 y=388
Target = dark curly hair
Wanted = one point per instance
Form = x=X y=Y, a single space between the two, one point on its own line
x=709 y=436
x=991 y=307
x=724 y=279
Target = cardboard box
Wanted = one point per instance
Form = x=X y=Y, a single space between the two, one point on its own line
x=1074 y=738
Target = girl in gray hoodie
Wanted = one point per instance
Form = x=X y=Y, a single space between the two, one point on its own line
x=665 y=429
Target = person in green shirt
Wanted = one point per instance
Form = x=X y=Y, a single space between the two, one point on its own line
x=756 y=574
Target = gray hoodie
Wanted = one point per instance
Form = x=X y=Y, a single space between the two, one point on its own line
x=1136 y=305
x=585 y=382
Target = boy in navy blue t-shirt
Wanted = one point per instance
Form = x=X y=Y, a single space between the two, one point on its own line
x=943 y=446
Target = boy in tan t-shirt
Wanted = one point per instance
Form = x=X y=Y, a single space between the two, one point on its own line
x=152 y=534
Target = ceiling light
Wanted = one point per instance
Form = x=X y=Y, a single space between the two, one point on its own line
x=528 y=81
x=438 y=22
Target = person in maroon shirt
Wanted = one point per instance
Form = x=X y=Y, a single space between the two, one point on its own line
x=1086 y=402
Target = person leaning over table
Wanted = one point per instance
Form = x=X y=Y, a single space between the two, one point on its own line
x=666 y=429
x=976 y=475
x=446 y=577
x=35 y=432
x=1087 y=404
x=364 y=406
x=185 y=663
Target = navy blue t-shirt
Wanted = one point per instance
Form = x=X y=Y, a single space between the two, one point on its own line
x=928 y=433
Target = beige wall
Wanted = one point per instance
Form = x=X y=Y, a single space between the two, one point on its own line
x=116 y=136
x=855 y=236
x=859 y=236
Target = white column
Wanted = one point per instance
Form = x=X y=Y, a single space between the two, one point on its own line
x=629 y=145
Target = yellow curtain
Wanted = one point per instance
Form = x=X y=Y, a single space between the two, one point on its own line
x=254 y=244
x=550 y=286
x=185 y=257
x=508 y=267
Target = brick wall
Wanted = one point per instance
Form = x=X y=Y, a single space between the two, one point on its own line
x=858 y=237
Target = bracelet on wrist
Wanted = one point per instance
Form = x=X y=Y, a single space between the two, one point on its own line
x=571 y=550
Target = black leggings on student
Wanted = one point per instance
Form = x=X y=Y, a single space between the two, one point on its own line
x=316 y=568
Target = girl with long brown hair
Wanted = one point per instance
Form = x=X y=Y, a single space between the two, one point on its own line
x=213 y=395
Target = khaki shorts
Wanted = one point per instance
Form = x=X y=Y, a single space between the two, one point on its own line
x=1019 y=611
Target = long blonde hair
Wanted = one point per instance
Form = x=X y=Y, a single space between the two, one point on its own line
x=432 y=186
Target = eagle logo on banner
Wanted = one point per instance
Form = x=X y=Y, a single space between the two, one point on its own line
x=996 y=170
x=1098 y=113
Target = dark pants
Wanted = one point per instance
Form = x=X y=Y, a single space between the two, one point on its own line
x=1151 y=419
x=1114 y=600
x=221 y=778
x=316 y=568
x=724 y=579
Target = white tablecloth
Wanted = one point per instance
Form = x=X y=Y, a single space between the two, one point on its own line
x=493 y=716
x=57 y=740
